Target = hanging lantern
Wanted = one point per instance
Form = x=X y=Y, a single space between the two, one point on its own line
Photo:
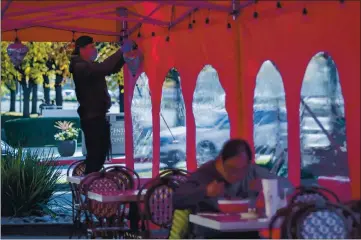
x=132 y=56
x=17 y=52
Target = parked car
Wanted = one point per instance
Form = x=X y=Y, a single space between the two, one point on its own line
x=210 y=138
x=6 y=148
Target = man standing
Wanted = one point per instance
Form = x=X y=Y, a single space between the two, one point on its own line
x=93 y=97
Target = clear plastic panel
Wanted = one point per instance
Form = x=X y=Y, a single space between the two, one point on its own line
x=322 y=120
x=211 y=117
x=270 y=120
x=141 y=109
x=172 y=123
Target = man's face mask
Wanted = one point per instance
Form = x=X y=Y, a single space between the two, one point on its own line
x=94 y=54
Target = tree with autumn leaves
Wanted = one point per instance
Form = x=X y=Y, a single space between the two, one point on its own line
x=47 y=64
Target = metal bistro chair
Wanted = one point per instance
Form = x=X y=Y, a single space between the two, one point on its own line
x=320 y=220
x=105 y=218
x=155 y=207
x=177 y=176
x=303 y=195
x=76 y=169
x=127 y=179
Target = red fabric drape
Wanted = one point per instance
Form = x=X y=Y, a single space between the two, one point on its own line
x=290 y=40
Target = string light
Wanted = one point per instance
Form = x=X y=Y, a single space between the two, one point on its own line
x=229 y=25
x=153 y=34
x=342 y=1
x=194 y=17
x=167 y=39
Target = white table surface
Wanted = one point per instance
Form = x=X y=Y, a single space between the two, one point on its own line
x=74 y=179
x=127 y=196
x=229 y=222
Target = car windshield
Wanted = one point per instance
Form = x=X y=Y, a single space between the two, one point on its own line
x=209 y=121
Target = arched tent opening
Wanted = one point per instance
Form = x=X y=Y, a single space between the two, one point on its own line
x=141 y=109
x=270 y=120
x=172 y=122
x=210 y=114
x=322 y=119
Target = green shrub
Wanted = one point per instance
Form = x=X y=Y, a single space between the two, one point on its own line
x=11 y=116
x=28 y=181
x=35 y=132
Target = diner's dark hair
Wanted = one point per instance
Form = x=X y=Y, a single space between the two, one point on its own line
x=234 y=147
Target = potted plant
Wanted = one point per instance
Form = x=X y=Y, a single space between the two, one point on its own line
x=67 y=138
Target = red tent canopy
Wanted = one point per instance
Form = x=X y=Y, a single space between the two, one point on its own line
x=284 y=35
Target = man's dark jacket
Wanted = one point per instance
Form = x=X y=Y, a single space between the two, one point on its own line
x=90 y=84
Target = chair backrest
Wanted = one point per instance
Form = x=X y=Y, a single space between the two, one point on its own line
x=101 y=182
x=77 y=168
x=127 y=178
x=319 y=220
x=158 y=202
x=311 y=194
x=176 y=175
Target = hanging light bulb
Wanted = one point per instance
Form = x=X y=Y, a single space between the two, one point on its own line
x=194 y=18
x=139 y=34
x=153 y=34
x=304 y=11
x=342 y=1
x=229 y=25
x=70 y=47
x=190 y=22
x=279 y=5
x=207 y=18
x=255 y=14
x=167 y=39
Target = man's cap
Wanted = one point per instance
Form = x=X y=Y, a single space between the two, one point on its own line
x=81 y=42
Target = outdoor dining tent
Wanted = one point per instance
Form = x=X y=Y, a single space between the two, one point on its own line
x=288 y=36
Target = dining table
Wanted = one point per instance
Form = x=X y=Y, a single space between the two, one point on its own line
x=229 y=222
x=74 y=179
